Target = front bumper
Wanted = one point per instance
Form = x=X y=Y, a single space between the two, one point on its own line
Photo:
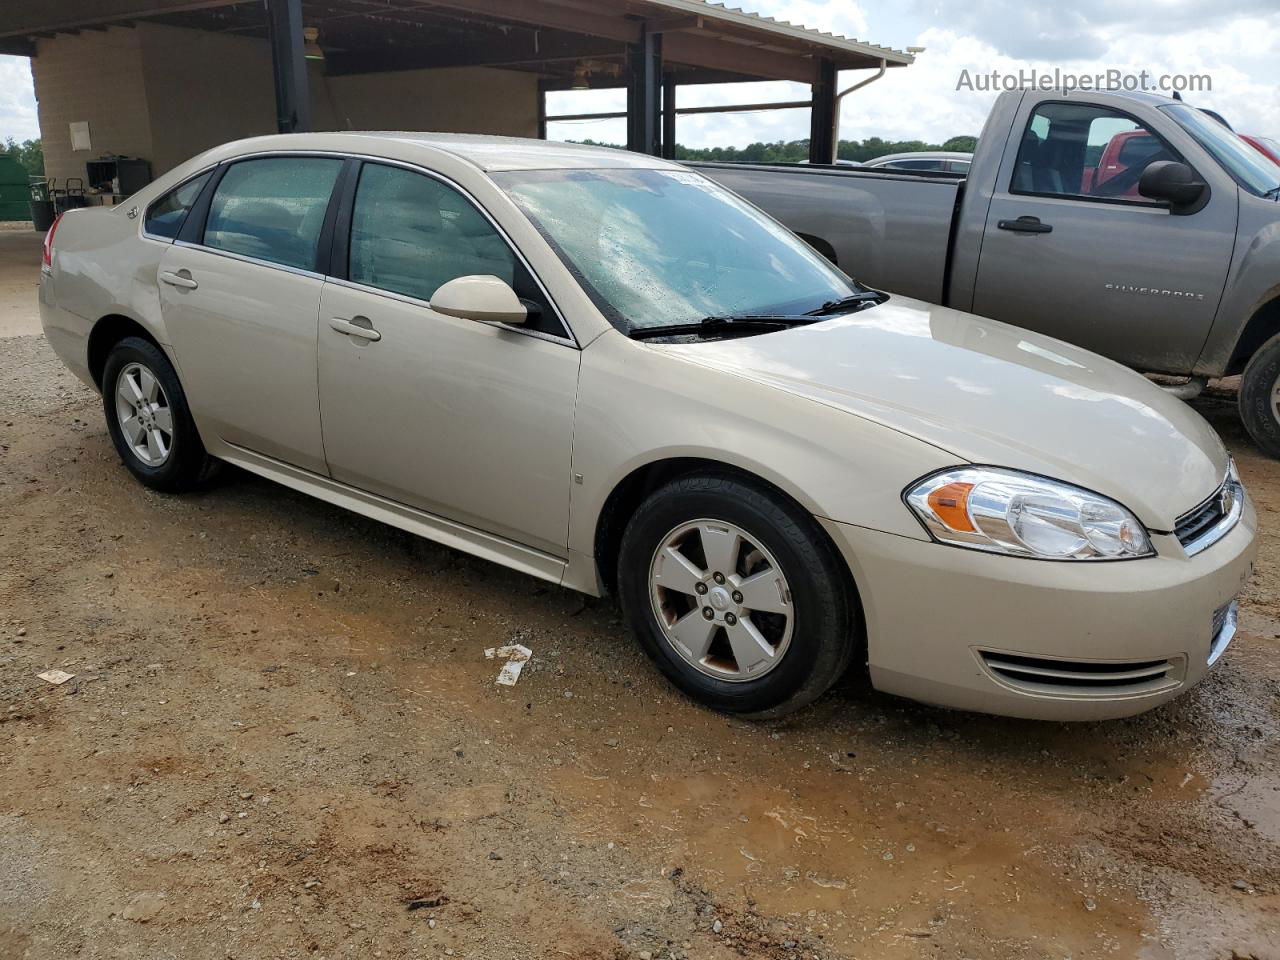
x=1042 y=639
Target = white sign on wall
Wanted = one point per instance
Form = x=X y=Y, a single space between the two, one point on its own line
x=80 y=136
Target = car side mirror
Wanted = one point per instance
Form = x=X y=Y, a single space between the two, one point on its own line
x=1173 y=182
x=481 y=297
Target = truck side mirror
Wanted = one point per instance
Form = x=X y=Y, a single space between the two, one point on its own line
x=1175 y=183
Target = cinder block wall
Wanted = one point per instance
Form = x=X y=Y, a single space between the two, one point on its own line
x=93 y=76
x=166 y=93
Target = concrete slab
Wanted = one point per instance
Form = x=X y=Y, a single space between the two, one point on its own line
x=19 y=277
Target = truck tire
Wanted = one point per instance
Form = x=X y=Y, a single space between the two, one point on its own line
x=766 y=604
x=1260 y=397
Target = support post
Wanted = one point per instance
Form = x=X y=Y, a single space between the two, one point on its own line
x=669 y=116
x=644 y=89
x=542 y=110
x=289 y=66
x=822 y=115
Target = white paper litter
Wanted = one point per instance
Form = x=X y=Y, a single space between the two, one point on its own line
x=516 y=655
x=56 y=677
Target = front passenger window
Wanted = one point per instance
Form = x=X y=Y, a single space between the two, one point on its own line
x=1087 y=152
x=272 y=209
x=411 y=234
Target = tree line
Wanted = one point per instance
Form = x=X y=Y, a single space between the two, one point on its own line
x=793 y=151
x=28 y=153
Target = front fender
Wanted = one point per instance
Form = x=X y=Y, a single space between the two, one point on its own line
x=836 y=465
x=1253 y=282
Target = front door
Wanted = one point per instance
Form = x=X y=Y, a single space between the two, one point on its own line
x=1071 y=250
x=240 y=307
x=469 y=421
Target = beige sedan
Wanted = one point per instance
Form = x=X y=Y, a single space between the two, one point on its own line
x=608 y=372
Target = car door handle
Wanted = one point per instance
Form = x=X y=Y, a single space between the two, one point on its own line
x=1025 y=225
x=182 y=279
x=356 y=327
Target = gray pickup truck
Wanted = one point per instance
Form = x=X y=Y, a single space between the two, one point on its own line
x=1136 y=226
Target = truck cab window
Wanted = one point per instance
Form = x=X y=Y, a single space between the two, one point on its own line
x=1085 y=151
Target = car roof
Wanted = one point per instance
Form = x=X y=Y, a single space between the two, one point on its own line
x=921 y=155
x=489 y=153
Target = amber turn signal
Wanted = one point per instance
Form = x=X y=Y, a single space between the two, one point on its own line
x=951 y=505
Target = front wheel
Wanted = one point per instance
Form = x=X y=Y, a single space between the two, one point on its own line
x=736 y=595
x=1260 y=397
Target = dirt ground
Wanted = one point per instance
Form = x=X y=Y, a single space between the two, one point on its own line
x=283 y=740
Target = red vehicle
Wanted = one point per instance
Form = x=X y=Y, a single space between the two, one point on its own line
x=1266 y=146
x=1128 y=148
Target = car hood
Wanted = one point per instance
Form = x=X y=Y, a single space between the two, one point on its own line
x=992 y=393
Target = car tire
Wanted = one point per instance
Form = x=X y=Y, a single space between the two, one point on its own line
x=1258 y=397
x=149 y=420
x=782 y=560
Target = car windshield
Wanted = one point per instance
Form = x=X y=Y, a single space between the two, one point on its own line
x=662 y=247
x=1247 y=166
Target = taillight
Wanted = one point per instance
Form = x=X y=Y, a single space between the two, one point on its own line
x=48 y=241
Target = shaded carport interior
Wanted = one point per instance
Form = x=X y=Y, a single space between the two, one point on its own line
x=648 y=47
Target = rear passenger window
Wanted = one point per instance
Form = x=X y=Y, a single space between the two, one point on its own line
x=165 y=216
x=272 y=209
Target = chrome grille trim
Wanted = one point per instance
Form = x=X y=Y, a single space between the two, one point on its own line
x=1049 y=676
x=1210 y=521
x=1224 y=629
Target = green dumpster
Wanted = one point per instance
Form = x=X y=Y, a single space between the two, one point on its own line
x=15 y=190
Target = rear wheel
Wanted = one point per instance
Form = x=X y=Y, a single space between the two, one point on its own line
x=148 y=418
x=1260 y=397
x=736 y=595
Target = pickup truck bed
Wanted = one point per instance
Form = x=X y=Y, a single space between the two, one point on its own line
x=890 y=230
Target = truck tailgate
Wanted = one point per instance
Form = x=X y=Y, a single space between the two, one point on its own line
x=891 y=231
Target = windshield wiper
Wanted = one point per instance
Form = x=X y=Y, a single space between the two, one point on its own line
x=868 y=298
x=1273 y=193
x=744 y=323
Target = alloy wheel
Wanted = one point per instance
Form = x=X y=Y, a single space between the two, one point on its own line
x=721 y=600
x=144 y=415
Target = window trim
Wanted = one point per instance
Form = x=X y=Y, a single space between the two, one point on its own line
x=146 y=213
x=1083 y=198
x=341 y=243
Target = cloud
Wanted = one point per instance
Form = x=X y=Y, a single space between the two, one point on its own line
x=17 y=100
x=1082 y=30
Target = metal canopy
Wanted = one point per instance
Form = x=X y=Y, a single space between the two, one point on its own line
x=645 y=46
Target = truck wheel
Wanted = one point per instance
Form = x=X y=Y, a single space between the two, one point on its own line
x=148 y=418
x=1260 y=397
x=736 y=595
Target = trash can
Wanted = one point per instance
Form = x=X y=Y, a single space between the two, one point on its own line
x=42 y=210
x=42 y=214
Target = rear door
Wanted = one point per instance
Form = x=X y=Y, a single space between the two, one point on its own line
x=240 y=291
x=465 y=420
x=1071 y=250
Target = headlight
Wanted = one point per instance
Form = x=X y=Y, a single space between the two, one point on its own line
x=1004 y=511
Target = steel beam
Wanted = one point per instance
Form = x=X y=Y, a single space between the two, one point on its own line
x=822 y=115
x=644 y=92
x=669 y=116
x=289 y=66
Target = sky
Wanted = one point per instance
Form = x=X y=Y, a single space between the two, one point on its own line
x=1235 y=42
